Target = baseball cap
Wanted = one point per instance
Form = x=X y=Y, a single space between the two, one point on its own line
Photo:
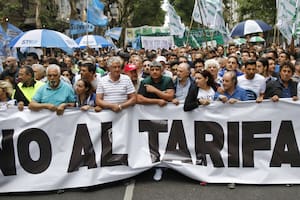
x=161 y=59
x=129 y=67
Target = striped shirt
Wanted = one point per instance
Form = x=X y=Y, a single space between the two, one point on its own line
x=115 y=91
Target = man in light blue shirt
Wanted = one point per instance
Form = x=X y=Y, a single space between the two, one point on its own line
x=56 y=95
x=232 y=93
x=182 y=83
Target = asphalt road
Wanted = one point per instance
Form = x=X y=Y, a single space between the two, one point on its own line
x=173 y=186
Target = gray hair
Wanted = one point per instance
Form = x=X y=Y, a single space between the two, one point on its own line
x=114 y=59
x=53 y=66
x=211 y=62
x=39 y=67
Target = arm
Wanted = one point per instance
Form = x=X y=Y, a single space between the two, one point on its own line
x=61 y=108
x=191 y=102
x=167 y=95
x=131 y=100
x=35 y=106
x=145 y=100
x=105 y=104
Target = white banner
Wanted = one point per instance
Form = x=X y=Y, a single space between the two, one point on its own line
x=242 y=143
x=155 y=42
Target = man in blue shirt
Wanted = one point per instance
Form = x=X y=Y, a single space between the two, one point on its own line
x=232 y=92
x=56 y=95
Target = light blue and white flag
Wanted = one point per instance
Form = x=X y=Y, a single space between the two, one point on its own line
x=95 y=13
x=78 y=27
x=114 y=33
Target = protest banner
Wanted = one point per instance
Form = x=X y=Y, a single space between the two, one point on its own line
x=246 y=143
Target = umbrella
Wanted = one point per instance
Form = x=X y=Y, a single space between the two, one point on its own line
x=239 y=41
x=249 y=26
x=43 y=38
x=256 y=39
x=93 y=41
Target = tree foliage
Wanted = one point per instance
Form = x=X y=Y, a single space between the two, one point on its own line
x=257 y=9
x=147 y=13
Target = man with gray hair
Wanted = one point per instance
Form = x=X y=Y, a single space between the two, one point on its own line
x=182 y=83
x=56 y=95
x=39 y=72
x=115 y=91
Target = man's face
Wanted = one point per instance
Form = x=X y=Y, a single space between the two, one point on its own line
x=182 y=72
x=53 y=78
x=231 y=64
x=10 y=63
x=227 y=82
x=286 y=74
x=250 y=71
x=84 y=72
x=30 y=61
x=282 y=58
x=232 y=49
x=23 y=77
x=115 y=70
x=132 y=75
x=155 y=72
x=245 y=57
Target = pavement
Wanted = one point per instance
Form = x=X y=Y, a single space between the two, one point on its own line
x=173 y=186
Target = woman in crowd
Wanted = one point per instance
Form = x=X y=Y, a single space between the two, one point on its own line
x=201 y=92
x=86 y=98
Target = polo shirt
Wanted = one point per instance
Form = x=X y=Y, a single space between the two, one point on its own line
x=64 y=93
x=164 y=84
x=115 y=91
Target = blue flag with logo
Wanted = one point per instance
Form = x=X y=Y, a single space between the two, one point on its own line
x=95 y=13
x=78 y=27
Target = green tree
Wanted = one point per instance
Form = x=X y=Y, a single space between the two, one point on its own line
x=147 y=13
x=257 y=9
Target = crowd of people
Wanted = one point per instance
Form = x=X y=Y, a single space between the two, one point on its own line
x=116 y=80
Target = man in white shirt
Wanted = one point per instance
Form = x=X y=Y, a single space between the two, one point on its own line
x=253 y=83
x=115 y=91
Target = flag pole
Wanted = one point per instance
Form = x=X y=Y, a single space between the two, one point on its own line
x=87 y=31
x=204 y=33
x=190 y=28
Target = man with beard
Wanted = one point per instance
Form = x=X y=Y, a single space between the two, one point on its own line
x=10 y=72
x=56 y=95
x=253 y=83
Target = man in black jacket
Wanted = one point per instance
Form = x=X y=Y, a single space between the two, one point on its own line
x=284 y=86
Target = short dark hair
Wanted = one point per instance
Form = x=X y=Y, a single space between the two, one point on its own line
x=33 y=55
x=91 y=66
x=289 y=65
x=28 y=70
x=250 y=62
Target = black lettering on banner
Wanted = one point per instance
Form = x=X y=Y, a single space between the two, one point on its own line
x=43 y=141
x=177 y=138
x=250 y=144
x=82 y=143
x=107 y=157
x=286 y=138
x=214 y=147
x=7 y=153
x=153 y=127
x=233 y=144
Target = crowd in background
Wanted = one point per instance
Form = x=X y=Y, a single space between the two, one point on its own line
x=117 y=79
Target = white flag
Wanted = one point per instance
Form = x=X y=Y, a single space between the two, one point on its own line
x=288 y=21
x=175 y=25
x=210 y=14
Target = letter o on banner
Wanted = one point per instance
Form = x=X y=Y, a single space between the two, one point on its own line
x=43 y=141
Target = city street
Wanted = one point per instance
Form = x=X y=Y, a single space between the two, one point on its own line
x=173 y=186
